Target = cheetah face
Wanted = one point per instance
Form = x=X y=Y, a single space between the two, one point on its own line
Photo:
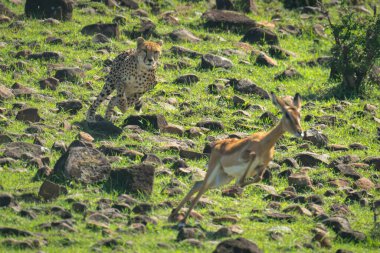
x=148 y=53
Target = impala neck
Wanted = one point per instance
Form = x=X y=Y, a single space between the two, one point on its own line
x=273 y=135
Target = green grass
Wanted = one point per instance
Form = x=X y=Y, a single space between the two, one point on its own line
x=79 y=51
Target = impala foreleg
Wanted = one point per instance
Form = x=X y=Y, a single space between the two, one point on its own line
x=196 y=187
x=257 y=178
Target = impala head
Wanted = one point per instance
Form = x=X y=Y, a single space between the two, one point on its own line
x=291 y=118
x=148 y=53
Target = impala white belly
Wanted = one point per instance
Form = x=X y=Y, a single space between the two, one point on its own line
x=239 y=170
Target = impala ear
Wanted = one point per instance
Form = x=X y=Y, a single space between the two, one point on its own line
x=297 y=101
x=278 y=102
x=140 y=42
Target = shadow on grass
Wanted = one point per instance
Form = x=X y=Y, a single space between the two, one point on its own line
x=100 y=130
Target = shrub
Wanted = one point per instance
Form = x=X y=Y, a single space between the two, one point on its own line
x=356 y=49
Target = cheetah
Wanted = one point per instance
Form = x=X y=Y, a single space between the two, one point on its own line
x=133 y=73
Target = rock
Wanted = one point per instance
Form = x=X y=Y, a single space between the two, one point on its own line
x=225 y=219
x=134 y=179
x=259 y=35
x=131 y=4
x=7 y=231
x=145 y=29
x=100 y=38
x=69 y=74
x=5 y=199
x=246 y=86
x=109 y=30
x=5 y=93
x=280 y=216
x=230 y=20
x=300 y=181
x=50 y=83
x=181 y=51
x=46 y=56
x=54 y=40
x=21 y=244
x=24 y=151
x=364 y=183
x=190 y=233
x=28 y=115
x=183 y=35
x=105 y=127
x=310 y=159
x=72 y=106
x=186 y=79
x=143 y=219
x=212 y=125
x=237 y=245
x=264 y=60
x=289 y=73
x=357 y=146
x=373 y=161
x=232 y=192
x=147 y=122
x=142 y=208
x=79 y=207
x=347 y=170
x=351 y=235
x=337 y=147
x=337 y=224
x=50 y=190
x=210 y=61
x=280 y=53
x=58 y=9
x=83 y=164
x=269 y=118
x=174 y=129
x=317 y=138
x=298 y=209
x=289 y=162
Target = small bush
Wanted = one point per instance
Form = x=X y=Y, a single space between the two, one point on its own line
x=356 y=49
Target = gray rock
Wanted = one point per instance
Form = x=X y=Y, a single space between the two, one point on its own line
x=259 y=35
x=210 y=61
x=183 y=35
x=231 y=20
x=72 y=106
x=237 y=245
x=109 y=30
x=50 y=190
x=28 y=115
x=310 y=159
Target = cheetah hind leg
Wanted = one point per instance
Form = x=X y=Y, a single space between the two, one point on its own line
x=106 y=91
x=113 y=102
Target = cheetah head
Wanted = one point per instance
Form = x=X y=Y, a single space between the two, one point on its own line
x=148 y=53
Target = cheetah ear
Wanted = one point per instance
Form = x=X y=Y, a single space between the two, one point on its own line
x=160 y=42
x=140 y=42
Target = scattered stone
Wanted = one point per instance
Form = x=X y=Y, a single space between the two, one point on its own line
x=135 y=179
x=246 y=86
x=109 y=30
x=269 y=118
x=7 y=231
x=190 y=233
x=24 y=151
x=373 y=161
x=69 y=74
x=105 y=127
x=28 y=115
x=5 y=199
x=187 y=79
x=46 y=56
x=310 y=159
x=289 y=73
x=49 y=83
x=280 y=216
x=181 y=51
x=232 y=192
x=5 y=93
x=259 y=35
x=280 y=53
x=83 y=164
x=50 y=190
x=100 y=38
x=300 y=181
x=347 y=170
x=210 y=61
x=59 y=9
x=21 y=244
x=317 y=138
x=237 y=245
x=230 y=20
x=212 y=125
x=72 y=106
x=298 y=209
x=183 y=35
x=264 y=60
x=357 y=146
x=364 y=183
x=147 y=122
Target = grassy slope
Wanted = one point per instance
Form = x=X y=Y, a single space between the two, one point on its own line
x=81 y=51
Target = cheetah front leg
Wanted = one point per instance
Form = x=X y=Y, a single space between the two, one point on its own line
x=119 y=100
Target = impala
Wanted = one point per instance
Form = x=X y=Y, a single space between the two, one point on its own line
x=244 y=159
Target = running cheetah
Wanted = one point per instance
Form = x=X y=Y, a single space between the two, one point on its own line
x=132 y=74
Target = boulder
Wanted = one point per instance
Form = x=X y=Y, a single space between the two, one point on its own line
x=146 y=122
x=109 y=30
x=228 y=20
x=83 y=164
x=49 y=83
x=24 y=151
x=71 y=105
x=181 y=51
x=28 y=115
x=259 y=35
x=290 y=73
x=317 y=138
x=187 y=79
x=50 y=190
x=42 y=9
x=183 y=35
x=69 y=74
x=210 y=61
x=310 y=159
x=237 y=245
x=134 y=179
x=246 y=86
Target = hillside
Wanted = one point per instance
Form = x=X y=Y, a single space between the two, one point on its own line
x=51 y=72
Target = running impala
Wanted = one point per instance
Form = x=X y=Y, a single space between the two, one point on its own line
x=244 y=159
